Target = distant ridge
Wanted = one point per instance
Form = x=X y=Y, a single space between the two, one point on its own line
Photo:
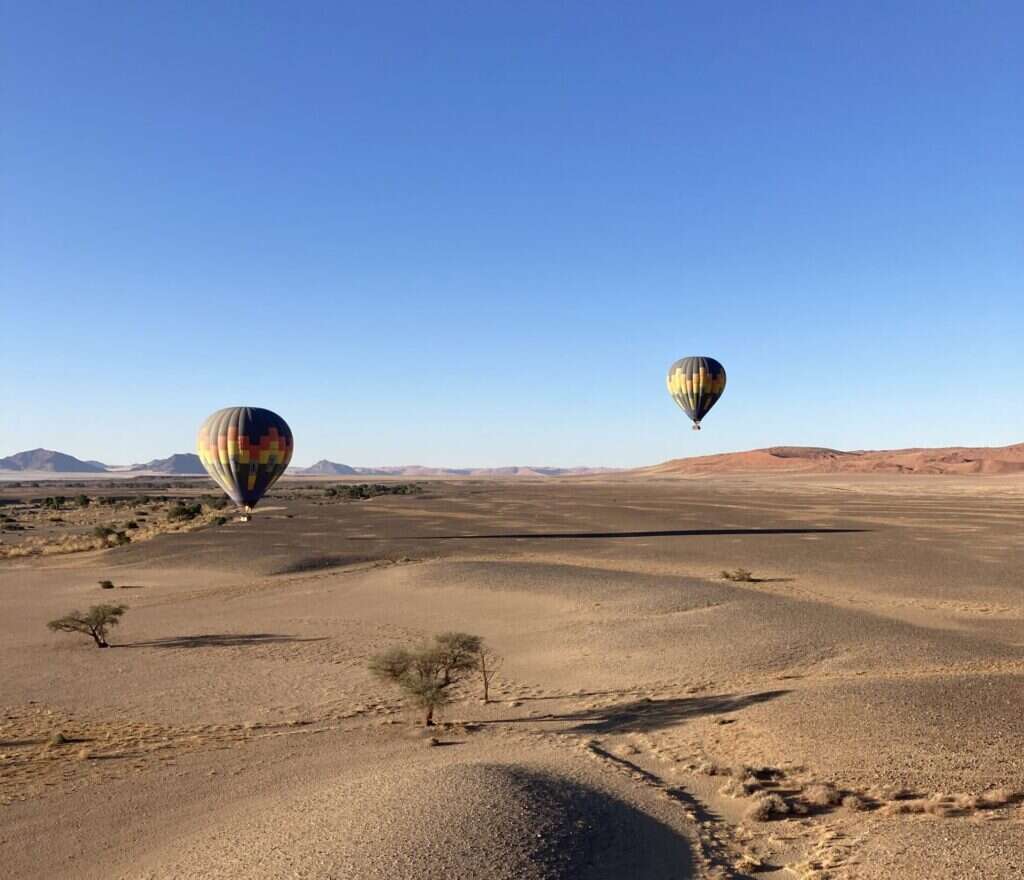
x=179 y=463
x=326 y=467
x=48 y=460
x=815 y=459
x=331 y=468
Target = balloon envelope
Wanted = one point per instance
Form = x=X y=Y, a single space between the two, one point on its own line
x=245 y=449
x=696 y=383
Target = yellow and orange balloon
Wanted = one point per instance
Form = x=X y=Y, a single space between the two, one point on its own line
x=245 y=449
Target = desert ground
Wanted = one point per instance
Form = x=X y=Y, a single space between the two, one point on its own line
x=853 y=710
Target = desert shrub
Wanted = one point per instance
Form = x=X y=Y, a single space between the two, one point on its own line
x=997 y=797
x=95 y=623
x=936 y=806
x=740 y=575
x=740 y=788
x=103 y=531
x=427 y=672
x=767 y=806
x=131 y=524
x=330 y=491
x=82 y=500
x=854 y=802
x=821 y=794
x=184 y=512
x=106 y=585
x=220 y=520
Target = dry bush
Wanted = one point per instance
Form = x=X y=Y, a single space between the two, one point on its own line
x=891 y=793
x=997 y=797
x=935 y=806
x=740 y=575
x=767 y=806
x=854 y=802
x=821 y=794
x=740 y=788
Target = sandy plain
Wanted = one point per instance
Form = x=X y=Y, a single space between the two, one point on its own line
x=854 y=712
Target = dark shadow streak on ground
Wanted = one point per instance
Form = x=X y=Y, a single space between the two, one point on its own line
x=646 y=715
x=577 y=696
x=672 y=533
x=223 y=640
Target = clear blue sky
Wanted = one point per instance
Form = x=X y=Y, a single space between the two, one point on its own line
x=479 y=233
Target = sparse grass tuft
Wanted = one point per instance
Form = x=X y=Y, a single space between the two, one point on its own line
x=854 y=803
x=821 y=794
x=767 y=806
x=997 y=797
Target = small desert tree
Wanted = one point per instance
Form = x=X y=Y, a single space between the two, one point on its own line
x=427 y=672
x=488 y=662
x=95 y=623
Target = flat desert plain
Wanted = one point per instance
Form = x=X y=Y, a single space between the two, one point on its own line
x=852 y=711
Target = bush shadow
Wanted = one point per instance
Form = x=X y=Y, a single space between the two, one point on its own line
x=220 y=640
x=646 y=715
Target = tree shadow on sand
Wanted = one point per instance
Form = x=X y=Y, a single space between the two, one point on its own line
x=669 y=533
x=646 y=715
x=220 y=640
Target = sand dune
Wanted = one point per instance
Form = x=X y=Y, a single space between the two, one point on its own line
x=812 y=459
x=437 y=820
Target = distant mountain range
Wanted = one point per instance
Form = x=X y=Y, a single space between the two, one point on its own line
x=179 y=463
x=778 y=459
x=187 y=464
x=336 y=469
x=50 y=461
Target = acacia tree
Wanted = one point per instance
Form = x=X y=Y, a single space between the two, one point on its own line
x=427 y=672
x=94 y=623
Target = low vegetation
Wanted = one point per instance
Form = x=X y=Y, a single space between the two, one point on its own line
x=98 y=523
x=364 y=491
x=182 y=511
x=95 y=622
x=429 y=672
x=740 y=575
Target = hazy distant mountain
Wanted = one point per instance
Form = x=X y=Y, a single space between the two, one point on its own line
x=331 y=468
x=326 y=467
x=48 y=460
x=813 y=459
x=179 y=463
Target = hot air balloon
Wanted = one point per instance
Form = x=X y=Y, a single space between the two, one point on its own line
x=696 y=383
x=245 y=449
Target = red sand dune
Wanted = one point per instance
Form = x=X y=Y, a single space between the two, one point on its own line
x=813 y=459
